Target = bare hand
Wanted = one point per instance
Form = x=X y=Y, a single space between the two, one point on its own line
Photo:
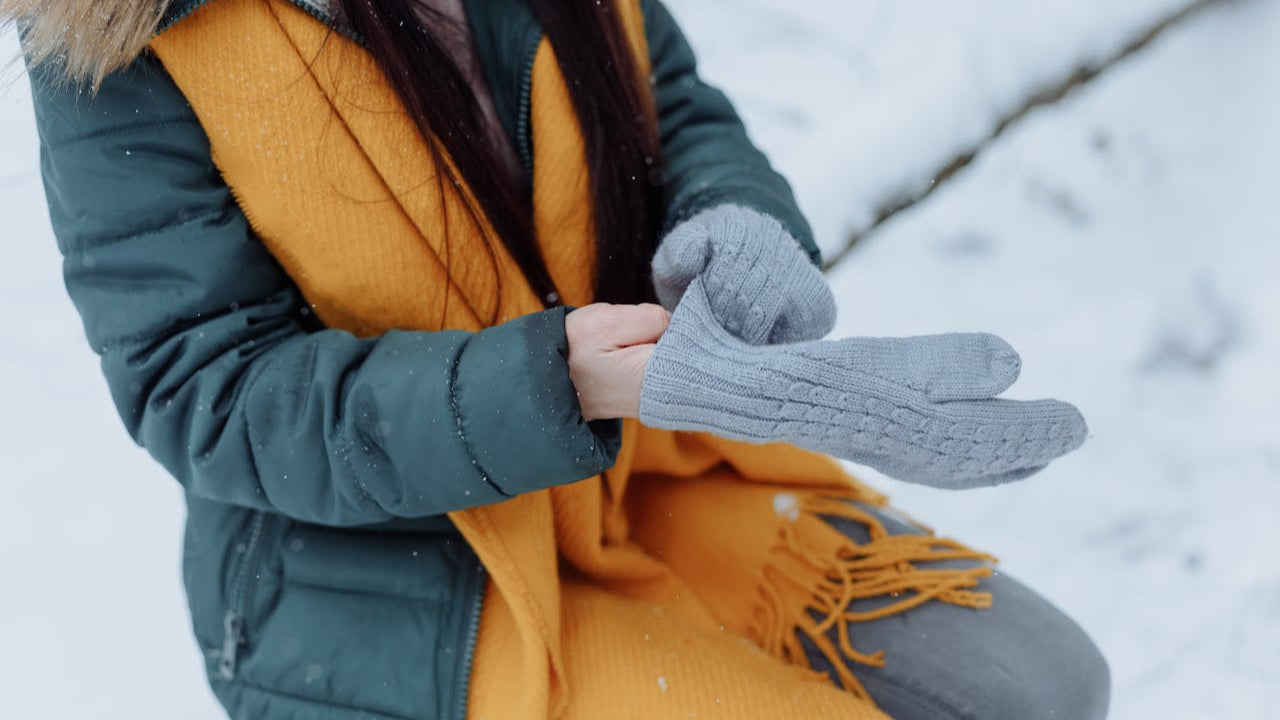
x=609 y=347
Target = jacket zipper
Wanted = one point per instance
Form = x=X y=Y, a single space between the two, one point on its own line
x=233 y=622
x=469 y=650
x=524 y=141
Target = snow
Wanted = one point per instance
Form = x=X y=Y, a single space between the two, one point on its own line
x=1127 y=241
x=861 y=112
x=787 y=505
x=1124 y=239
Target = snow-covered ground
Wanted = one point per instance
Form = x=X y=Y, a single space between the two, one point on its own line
x=1124 y=239
x=1127 y=240
x=860 y=103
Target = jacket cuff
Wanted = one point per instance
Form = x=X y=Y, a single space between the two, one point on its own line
x=536 y=437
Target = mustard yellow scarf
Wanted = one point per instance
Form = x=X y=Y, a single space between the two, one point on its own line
x=669 y=586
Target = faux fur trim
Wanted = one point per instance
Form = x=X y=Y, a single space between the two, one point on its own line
x=87 y=39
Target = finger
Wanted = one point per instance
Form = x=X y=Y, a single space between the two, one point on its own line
x=636 y=324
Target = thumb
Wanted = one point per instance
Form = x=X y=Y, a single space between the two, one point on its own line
x=953 y=366
x=963 y=366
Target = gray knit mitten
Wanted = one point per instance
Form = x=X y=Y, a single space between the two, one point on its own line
x=920 y=409
x=761 y=284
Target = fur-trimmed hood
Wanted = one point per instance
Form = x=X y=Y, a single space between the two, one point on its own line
x=88 y=38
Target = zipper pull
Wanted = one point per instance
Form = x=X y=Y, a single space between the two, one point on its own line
x=232 y=639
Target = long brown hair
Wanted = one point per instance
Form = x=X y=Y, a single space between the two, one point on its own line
x=614 y=110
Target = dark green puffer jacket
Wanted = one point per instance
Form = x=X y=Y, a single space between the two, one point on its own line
x=324 y=579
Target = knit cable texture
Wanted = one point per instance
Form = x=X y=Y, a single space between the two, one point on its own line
x=761 y=284
x=919 y=409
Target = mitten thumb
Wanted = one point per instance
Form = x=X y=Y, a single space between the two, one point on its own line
x=953 y=366
x=681 y=255
x=808 y=311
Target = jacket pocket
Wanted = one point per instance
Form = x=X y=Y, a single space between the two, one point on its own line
x=240 y=594
x=373 y=620
x=423 y=566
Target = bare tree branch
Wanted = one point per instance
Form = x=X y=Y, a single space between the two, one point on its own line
x=1047 y=96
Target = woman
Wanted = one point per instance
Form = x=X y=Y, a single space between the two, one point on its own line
x=327 y=253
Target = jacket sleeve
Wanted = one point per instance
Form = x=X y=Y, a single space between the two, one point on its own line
x=218 y=369
x=708 y=158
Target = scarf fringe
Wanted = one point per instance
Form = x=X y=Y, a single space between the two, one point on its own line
x=884 y=567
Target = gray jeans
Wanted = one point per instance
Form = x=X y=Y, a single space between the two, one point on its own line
x=1022 y=659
